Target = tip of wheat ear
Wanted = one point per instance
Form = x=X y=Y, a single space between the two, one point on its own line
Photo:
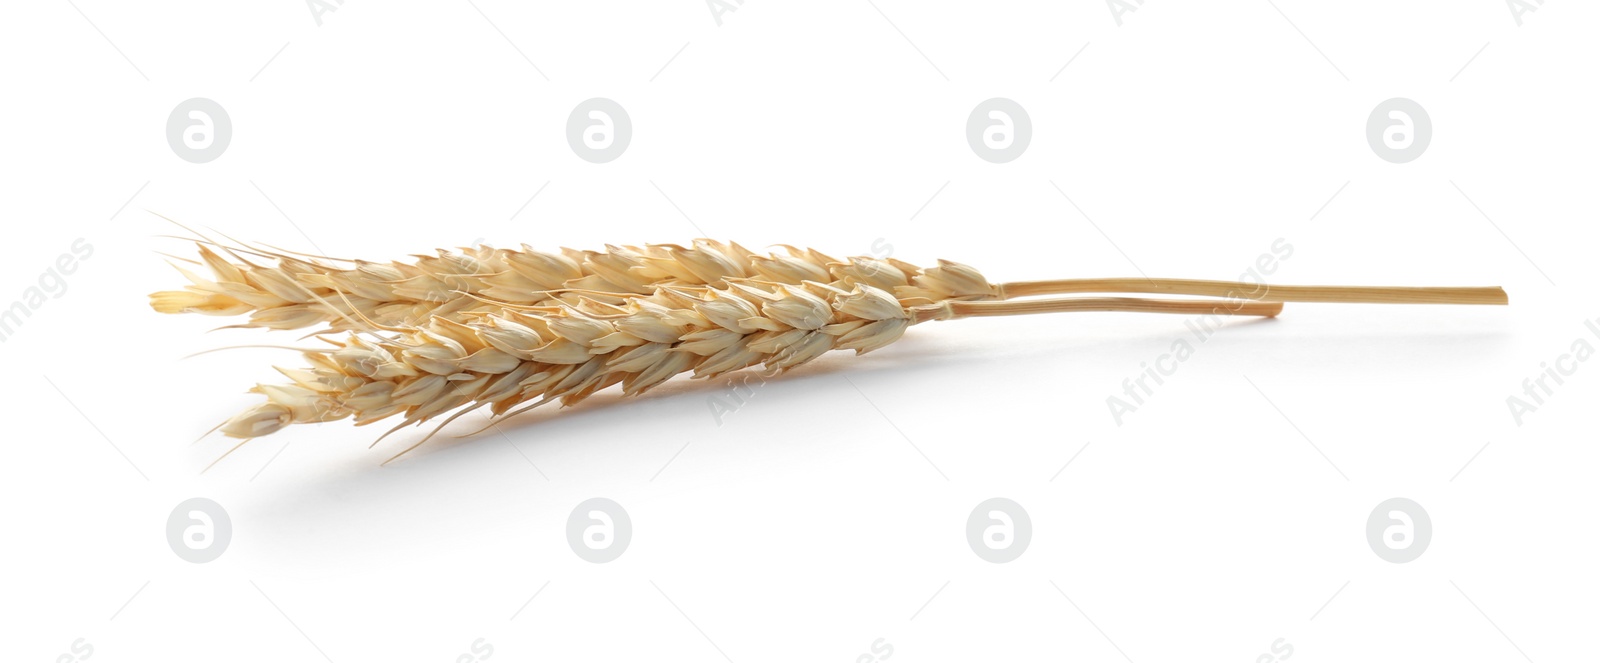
x=257 y=421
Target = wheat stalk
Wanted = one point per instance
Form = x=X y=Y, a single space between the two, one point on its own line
x=515 y=329
x=1260 y=291
x=305 y=291
x=521 y=357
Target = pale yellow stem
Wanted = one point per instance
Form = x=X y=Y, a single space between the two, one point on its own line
x=1261 y=292
x=951 y=310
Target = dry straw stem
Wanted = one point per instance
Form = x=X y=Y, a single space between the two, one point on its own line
x=951 y=309
x=1261 y=291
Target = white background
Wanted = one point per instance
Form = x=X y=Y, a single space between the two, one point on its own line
x=1227 y=513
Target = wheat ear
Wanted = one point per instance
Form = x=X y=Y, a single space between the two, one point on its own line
x=291 y=291
x=522 y=357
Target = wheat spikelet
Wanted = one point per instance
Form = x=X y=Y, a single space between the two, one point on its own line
x=295 y=292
